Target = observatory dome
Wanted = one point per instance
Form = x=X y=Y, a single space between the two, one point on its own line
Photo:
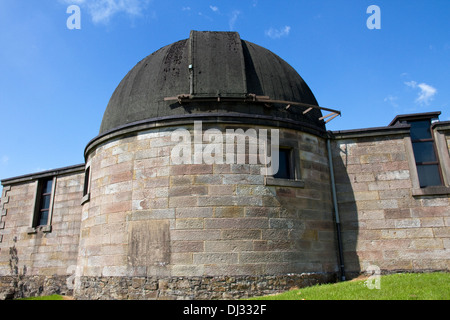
x=210 y=73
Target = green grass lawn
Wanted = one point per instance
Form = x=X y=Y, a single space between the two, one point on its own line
x=402 y=286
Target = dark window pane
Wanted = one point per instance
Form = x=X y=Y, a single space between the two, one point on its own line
x=43 y=218
x=41 y=215
x=284 y=164
x=429 y=175
x=86 y=181
x=420 y=129
x=47 y=186
x=424 y=151
x=45 y=202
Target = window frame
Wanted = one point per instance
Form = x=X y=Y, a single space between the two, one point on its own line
x=87 y=184
x=294 y=168
x=86 y=181
x=438 y=131
x=289 y=165
x=427 y=163
x=41 y=208
x=37 y=210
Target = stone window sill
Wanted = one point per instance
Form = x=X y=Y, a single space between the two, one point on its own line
x=431 y=191
x=270 y=181
x=86 y=198
x=33 y=230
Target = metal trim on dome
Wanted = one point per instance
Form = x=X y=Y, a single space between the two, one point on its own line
x=186 y=98
x=204 y=47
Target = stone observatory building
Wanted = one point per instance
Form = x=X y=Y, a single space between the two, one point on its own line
x=213 y=177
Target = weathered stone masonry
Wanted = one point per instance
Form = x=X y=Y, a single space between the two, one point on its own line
x=194 y=288
x=130 y=223
x=34 y=255
x=148 y=218
x=387 y=220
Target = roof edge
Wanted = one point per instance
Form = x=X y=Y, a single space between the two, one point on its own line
x=170 y=121
x=415 y=116
x=371 y=132
x=43 y=174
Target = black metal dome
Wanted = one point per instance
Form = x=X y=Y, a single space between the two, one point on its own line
x=211 y=73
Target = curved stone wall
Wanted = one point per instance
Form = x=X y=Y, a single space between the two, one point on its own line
x=150 y=217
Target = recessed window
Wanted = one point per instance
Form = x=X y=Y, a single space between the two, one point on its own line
x=288 y=174
x=429 y=175
x=420 y=129
x=424 y=151
x=86 y=181
x=86 y=187
x=425 y=156
x=43 y=205
x=285 y=164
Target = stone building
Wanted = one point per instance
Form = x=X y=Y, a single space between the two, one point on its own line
x=180 y=196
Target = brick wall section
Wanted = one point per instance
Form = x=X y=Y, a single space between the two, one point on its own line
x=41 y=253
x=148 y=217
x=383 y=223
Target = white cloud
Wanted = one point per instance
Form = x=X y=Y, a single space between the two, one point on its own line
x=102 y=11
x=214 y=8
x=411 y=84
x=426 y=92
x=392 y=100
x=186 y=8
x=5 y=159
x=234 y=15
x=278 y=33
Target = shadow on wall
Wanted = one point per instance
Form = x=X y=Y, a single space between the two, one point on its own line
x=309 y=216
x=348 y=212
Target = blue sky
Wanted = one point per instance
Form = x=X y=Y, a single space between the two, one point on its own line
x=55 y=82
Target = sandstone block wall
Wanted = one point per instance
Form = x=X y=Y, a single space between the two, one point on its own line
x=44 y=252
x=164 y=230
x=197 y=288
x=149 y=217
x=385 y=221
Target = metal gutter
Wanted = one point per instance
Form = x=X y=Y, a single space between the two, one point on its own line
x=336 y=213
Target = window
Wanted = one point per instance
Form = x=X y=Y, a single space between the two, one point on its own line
x=86 y=187
x=285 y=164
x=86 y=181
x=288 y=174
x=44 y=203
x=427 y=162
